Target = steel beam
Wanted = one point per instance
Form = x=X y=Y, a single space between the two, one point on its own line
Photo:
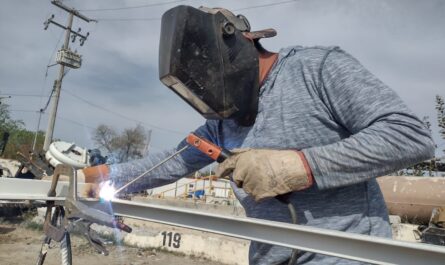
x=28 y=189
x=329 y=242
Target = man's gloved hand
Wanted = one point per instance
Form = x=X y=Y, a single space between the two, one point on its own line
x=96 y=174
x=92 y=176
x=267 y=173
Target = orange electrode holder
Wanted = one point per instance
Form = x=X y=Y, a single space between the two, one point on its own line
x=211 y=150
x=220 y=154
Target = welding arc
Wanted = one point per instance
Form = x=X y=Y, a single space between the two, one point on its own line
x=151 y=169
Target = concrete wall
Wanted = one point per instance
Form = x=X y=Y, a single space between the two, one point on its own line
x=189 y=242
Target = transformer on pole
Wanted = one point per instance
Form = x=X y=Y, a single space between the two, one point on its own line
x=65 y=58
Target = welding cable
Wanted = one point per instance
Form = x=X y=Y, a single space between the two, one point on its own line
x=47 y=241
x=285 y=199
x=65 y=245
x=293 y=214
x=65 y=250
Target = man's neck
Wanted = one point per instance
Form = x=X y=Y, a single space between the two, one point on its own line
x=266 y=61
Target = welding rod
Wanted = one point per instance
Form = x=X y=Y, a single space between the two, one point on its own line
x=151 y=169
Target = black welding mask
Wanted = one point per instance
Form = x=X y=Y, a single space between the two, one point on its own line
x=206 y=58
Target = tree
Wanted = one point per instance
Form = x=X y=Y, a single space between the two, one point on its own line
x=431 y=166
x=20 y=139
x=6 y=122
x=133 y=142
x=128 y=145
x=104 y=137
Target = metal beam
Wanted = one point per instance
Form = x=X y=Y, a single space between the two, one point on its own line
x=329 y=242
x=27 y=189
x=345 y=245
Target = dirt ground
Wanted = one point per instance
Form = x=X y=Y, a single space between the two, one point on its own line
x=20 y=245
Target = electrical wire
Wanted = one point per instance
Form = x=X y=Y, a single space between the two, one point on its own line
x=76 y=122
x=238 y=9
x=123 y=116
x=264 y=5
x=131 y=7
x=24 y=95
x=42 y=90
x=22 y=110
x=130 y=19
x=49 y=100
x=64 y=119
x=58 y=117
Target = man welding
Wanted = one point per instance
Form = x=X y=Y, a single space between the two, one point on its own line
x=310 y=122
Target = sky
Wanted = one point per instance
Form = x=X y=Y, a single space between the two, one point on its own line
x=402 y=42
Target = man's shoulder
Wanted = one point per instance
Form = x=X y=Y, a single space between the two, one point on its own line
x=307 y=58
x=308 y=52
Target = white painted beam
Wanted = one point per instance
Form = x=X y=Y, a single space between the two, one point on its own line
x=345 y=245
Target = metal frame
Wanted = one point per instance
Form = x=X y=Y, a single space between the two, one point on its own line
x=345 y=245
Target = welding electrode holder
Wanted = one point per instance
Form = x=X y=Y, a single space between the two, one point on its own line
x=220 y=154
x=213 y=151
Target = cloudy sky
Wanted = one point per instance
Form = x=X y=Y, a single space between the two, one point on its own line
x=402 y=42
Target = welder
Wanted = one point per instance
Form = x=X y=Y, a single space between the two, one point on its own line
x=310 y=122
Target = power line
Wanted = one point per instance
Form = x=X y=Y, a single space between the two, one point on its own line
x=42 y=111
x=24 y=95
x=158 y=18
x=264 y=5
x=123 y=116
x=49 y=99
x=23 y=110
x=130 y=19
x=131 y=7
x=58 y=117
x=78 y=123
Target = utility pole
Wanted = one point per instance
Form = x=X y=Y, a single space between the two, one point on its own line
x=66 y=58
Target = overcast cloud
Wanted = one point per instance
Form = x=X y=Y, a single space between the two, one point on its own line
x=401 y=42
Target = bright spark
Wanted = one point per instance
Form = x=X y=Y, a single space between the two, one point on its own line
x=107 y=191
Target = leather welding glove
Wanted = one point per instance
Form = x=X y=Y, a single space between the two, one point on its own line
x=265 y=173
x=96 y=174
x=92 y=176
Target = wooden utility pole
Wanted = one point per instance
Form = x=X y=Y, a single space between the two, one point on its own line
x=66 y=58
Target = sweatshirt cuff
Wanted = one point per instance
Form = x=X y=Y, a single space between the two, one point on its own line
x=318 y=176
x=307 y=168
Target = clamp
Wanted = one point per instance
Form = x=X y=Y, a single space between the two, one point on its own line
x=74 y=216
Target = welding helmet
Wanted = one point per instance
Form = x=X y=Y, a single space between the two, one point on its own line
x=207 y=56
